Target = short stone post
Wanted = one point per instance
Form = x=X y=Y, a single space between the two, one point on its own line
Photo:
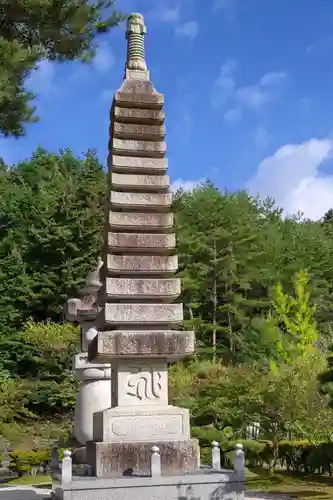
x=216 y=455
x=66 y=469
x=239 y=465
x=155 y=462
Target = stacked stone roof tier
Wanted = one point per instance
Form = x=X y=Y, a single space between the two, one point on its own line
x=138 y=290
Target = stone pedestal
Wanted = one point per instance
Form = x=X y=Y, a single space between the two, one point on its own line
x=94 y=394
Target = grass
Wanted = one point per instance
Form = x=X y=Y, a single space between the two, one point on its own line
x=28 y=481
x=298 y=486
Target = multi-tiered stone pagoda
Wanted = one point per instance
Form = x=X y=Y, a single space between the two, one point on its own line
x=131 y=325
x=139 y=324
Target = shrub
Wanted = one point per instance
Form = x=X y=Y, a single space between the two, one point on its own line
x=23 y=462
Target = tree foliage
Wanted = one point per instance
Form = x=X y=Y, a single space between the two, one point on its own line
x=32 y=30
x=256 y=288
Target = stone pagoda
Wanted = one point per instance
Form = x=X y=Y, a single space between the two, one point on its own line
x=95 y=378
x=139 y=323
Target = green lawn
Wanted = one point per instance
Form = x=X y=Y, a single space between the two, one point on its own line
x=300 y=486
x=28 y=481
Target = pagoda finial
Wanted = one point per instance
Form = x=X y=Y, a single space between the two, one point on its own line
x=135 y=33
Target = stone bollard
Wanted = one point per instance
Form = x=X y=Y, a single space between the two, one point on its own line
x=239 y=465
x=155 y=462
x=66 y=469
x=216 y=455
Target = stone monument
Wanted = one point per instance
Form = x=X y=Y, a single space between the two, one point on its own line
x=138 y=321
x=95 y=378
x=138 y=325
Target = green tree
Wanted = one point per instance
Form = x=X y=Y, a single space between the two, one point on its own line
x=31 y=30
x=223 y=266
x=51 y=209
x=289 y=330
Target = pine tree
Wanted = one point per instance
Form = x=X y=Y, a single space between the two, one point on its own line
x=31 y=30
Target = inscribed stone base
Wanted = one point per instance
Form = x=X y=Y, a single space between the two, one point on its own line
x=142 y=423
x=213 y=485
x=118 y=459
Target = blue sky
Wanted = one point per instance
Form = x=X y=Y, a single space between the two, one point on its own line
x=248 y=96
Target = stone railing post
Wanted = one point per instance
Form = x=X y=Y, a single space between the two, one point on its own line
x=155 y=462
x=216 y=455
x=66 y=468
x=239 y=465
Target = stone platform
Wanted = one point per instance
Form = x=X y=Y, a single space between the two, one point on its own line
x=205 y=485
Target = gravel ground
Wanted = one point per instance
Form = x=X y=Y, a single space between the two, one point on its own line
x=30 y=493
x=23 y=493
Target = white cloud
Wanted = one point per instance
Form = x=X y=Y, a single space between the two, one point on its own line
x=252 y=97
x=261 y=137
x=104 y=59
x=189 y=29
x=164 y=14
x=233 y=115
x=185 y=185
x=225 y=5
x=41 y=80
x=293 y=178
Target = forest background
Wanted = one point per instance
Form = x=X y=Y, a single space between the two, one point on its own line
x=256 y=286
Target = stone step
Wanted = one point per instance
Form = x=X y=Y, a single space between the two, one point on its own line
x=171 y=345
x=140 y=221
x=132 y=115
x=131 y=201
x=137 y=182
x=113 y=315
x=138 y=132
x=147 y=265
x=159 y=243
x=144 y=165
x=150 y=149
x=148 y=288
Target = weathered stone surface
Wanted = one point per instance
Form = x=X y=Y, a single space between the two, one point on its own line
x=140 y=384
x=146 y=424
x=169 y=344
x=139 y=100
x=143 y=86
x=129 y=115
x=130 y=221
x=118 y=199
x=138 y=132
x=140 y=314
x=142 y=264
x=140 y=182
x=161 y=243
x=142 y=288
x=130 y=164
x=113 y=459
x=138 y=148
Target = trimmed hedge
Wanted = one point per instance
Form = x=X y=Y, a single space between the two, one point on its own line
x=296 y=456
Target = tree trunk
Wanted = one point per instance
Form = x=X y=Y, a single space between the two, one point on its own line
x=214 y=301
